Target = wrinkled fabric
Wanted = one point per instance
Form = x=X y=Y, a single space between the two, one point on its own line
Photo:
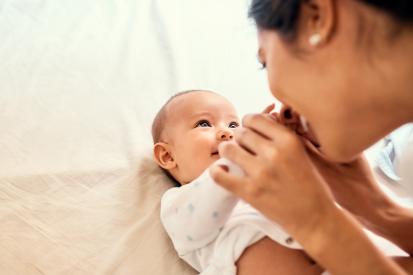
x=80 y=82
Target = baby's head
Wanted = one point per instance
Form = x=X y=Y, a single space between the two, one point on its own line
x=187 y=131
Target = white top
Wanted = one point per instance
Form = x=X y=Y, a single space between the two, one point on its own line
x=210 y=227
x=406 y=170
x=394 y=163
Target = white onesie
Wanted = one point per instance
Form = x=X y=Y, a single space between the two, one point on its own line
x=210 y=227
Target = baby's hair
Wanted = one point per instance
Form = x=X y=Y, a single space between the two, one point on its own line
x=160 y=118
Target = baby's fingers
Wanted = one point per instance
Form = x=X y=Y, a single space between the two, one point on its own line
x=269 y=108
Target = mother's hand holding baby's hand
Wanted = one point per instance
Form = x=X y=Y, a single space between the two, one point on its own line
x=281 y=180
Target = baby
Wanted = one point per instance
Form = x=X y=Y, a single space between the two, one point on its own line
x=210 y=228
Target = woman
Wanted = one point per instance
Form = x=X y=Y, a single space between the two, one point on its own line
x=347 y=67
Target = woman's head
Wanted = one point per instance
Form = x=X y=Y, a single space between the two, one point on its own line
x=343 y=64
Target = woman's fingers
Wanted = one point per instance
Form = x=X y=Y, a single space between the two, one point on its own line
x=235 y=153
x=267 y=138
x=280 y=180
x=253 y=142
x=266 y=126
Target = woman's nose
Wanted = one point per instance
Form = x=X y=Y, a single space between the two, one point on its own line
x=225 y=135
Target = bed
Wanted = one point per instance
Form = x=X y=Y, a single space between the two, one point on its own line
x=80 y=82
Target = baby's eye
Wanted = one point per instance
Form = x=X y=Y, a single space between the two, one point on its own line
x=203 y=123
x=233 y=124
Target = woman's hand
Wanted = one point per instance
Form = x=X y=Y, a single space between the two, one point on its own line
x=355 y=189
x=353 y=185
x=281 y=180
x=284 y=183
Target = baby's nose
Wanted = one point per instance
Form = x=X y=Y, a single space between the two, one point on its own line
x=225 y=135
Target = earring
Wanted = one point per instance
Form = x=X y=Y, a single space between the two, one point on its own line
x=315 y=39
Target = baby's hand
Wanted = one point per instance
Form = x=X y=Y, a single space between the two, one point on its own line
x=293 y=121
x=230 y=167
x=286 y=117
x=272 y=115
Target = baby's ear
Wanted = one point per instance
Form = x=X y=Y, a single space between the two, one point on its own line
x=163 y=156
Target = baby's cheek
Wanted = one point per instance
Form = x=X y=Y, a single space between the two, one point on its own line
x=203 y=163
x=193 y=168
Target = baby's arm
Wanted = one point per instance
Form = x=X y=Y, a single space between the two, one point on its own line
x=193 y=214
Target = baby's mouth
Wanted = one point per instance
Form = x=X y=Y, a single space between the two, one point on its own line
x=215 y=153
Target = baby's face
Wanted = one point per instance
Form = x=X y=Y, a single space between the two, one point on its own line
x=198 y=122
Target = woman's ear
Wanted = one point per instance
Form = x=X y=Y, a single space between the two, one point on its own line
x=163 y=156
x=318 y=19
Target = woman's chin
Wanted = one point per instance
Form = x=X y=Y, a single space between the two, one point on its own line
x=337 y=154
x=333 y=147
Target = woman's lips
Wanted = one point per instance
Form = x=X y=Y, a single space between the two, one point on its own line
x=310 y=137
x=304 y=129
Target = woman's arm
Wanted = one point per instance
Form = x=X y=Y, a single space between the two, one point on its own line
x=284 y=184
x=392 y=222
x=335 y=241
x=355 y=188
x=340 y=245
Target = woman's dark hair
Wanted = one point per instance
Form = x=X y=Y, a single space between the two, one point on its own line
x=279 y=15
x=282 y=15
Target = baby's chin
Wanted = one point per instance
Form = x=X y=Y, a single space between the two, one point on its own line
x=212 y=159
x=200 y=169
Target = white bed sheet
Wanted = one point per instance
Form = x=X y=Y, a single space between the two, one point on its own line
x=80 y=82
